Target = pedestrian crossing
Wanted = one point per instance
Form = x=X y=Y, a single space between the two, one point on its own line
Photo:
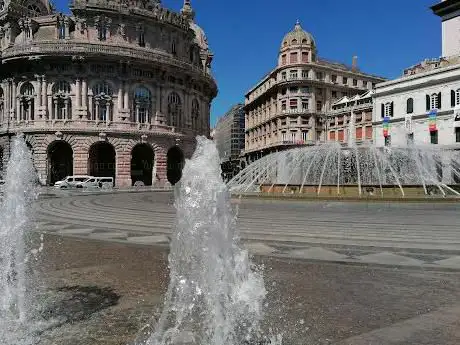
x=411 y=235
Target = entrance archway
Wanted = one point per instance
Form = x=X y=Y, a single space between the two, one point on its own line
x=102 y=160
x=142 y=164
x=175 y=163
x=60 y=161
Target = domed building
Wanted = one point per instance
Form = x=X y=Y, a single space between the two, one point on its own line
x=117 y=88
x=291 y=105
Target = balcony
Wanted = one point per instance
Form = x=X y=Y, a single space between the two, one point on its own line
x=34 y=49
x=84 y=126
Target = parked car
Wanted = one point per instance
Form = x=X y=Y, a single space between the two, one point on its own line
x=96 y=182
x=71 y=181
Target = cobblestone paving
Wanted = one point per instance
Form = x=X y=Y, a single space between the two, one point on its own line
x=393 y=234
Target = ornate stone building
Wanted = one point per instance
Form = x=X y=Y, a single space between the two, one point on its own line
x=288 y=106
x=118 y=88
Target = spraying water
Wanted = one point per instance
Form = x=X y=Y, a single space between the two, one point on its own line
x=18 y=192
x=215 y=294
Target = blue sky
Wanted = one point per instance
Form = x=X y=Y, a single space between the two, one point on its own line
x=245 y=35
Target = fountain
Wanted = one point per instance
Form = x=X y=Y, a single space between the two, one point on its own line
x=19 y=191
x=355 y=171
x=215 y=295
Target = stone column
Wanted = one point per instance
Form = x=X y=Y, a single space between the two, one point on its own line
x=18 y=109
x=84 y=93
x=160 y=165
x=39 y=92
x=50 y=107
x=56 y=110
x=14 y=107
x=126 y=96
x=78 y=93
x=44 y=96
x=123 y=169
x=80 y=166
x=120 y=97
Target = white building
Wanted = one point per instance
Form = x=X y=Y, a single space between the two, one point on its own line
x=423 y=106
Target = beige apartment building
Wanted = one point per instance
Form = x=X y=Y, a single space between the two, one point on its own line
x=289 y=106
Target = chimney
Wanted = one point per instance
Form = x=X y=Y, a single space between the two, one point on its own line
x=354 y=63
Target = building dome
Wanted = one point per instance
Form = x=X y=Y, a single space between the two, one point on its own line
x=298 y=36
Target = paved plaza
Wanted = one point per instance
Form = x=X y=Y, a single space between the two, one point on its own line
x=378 y=233
x=336 y=273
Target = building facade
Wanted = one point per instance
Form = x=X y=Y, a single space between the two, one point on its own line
x=229 y=138
x=350 y=120
x=423 y=106
x=288 y=106
x=118 y=88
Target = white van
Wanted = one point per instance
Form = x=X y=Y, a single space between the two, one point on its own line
x=96 y=182
x=71 y=181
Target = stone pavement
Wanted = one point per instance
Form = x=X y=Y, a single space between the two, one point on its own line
x=420 y=235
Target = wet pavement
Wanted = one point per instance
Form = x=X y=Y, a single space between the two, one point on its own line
x=104 y=293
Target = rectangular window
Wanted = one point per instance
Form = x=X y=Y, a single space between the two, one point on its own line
x=434 y=137
x=340 y=135
x=334 y=94
x=388 y=140
x=368 y=132
x=457 y=134
x=304 y=56
x=319 y=75
x=359 y=133
x=355 y=82
x=293 y=74
x=332 y=136
x=319 y=105
x=283 y=76
x=283 y=59
x=283 y=105
x=293 y=89
x=304 y=136
x=304 y=104
x=293 y=103
x=364 y=83
x=293 y=58
x=141 y=39
x=334 y=78
x=284 y=136
x=344 y=80
x=304 y=74
x=293 y=135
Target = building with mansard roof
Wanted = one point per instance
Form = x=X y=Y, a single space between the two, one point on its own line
x=289 y=106
x=117 y=88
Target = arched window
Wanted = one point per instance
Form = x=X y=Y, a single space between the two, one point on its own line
x=195 y=114
x=26 y=106
x=102 y=102
x=34 y=10
x=174 y=110
x=294 y=41
x=61 y=101
x=142 y=105
x=410 y=106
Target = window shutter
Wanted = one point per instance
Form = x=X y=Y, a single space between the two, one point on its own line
x=452 y=98
x=428 y=102
x=383 y=110
x=439 y=100
x=392 y=109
